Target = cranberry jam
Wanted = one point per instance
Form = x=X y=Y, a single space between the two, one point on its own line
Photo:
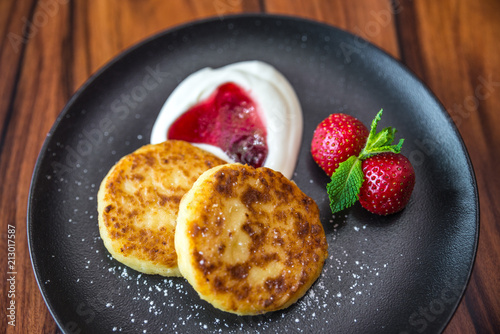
x=228 y=119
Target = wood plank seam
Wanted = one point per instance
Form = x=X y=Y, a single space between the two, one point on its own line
x=12 y=100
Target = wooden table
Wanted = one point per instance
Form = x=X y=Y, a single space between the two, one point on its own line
x=49 y=48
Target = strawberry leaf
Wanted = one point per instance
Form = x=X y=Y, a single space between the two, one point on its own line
x=344 y=187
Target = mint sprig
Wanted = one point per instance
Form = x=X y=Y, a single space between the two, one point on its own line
x=380 y=142
x=346 y=181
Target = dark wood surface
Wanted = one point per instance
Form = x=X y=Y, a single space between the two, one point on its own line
x=50 y=47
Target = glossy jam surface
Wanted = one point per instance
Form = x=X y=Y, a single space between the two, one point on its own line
x=228 y=119
x=271 y=115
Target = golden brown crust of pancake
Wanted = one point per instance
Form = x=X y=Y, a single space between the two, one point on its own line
x=249 y=240
x=138 y=202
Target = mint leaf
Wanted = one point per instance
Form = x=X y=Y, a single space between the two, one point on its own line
x=380 y=142
x=346 y=181
x=383 y=138
x=373 y=129
x=344 y=187
x=391 y=148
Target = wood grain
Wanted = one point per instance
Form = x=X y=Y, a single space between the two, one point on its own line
x=453 y=46
x=49 y=48
x=371 y=20
x=103 y=29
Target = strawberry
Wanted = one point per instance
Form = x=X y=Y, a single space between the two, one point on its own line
x=379 y=176
x=389 y=181
x=337 y=138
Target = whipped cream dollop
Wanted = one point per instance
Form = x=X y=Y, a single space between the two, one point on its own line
x=278 y=104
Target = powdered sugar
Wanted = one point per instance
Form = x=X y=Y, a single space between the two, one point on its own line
x=170 y=304
x=122 y=300
x=349 y=277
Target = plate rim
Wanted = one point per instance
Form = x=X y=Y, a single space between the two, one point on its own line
x=211 y=19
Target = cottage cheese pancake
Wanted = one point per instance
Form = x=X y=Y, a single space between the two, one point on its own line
x=138 y=202
x=248 y=239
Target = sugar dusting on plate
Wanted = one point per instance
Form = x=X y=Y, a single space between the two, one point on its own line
x=170 y=305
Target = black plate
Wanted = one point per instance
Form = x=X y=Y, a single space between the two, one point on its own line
x=402 y=273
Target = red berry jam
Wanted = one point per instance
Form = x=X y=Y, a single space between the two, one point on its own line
x=228 y=119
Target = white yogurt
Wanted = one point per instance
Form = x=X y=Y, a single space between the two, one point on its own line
x=279 y=106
